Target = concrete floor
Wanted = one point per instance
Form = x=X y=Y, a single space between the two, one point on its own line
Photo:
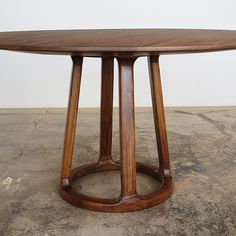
x=202 y=143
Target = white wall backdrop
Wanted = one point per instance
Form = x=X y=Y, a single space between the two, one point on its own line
x=30 y=80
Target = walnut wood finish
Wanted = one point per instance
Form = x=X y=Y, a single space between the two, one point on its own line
x=125 y=45
x=129 y=199
x=119 y=204
x=71 y=120
x=106 y=109
x=118 y=42
x=159 y=115
x=127 y=127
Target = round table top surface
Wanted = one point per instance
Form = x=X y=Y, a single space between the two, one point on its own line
x=116 y=42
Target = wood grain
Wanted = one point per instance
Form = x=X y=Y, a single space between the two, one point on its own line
x=127 y=127
x=128 y=200
x=126 y=45
x=123 y=204
x=119 y=42
x=71 y=121
x=106 y=109
x=159 y=115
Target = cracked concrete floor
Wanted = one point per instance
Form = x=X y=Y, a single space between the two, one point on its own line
x=202 y=143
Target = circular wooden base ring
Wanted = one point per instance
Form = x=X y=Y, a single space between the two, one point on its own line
x=120 y=204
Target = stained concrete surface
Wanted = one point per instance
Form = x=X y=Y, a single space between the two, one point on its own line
x=202 y=144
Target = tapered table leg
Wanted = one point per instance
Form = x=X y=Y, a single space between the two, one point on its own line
x=71 y=121
x=106 y=109
x=127 y=127
x=159 y=115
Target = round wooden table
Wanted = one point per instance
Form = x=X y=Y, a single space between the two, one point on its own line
x=126 y=45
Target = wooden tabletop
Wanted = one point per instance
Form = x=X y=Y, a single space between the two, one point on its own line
x=116 y=42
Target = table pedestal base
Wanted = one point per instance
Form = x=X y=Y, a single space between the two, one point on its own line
x=128 y=200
